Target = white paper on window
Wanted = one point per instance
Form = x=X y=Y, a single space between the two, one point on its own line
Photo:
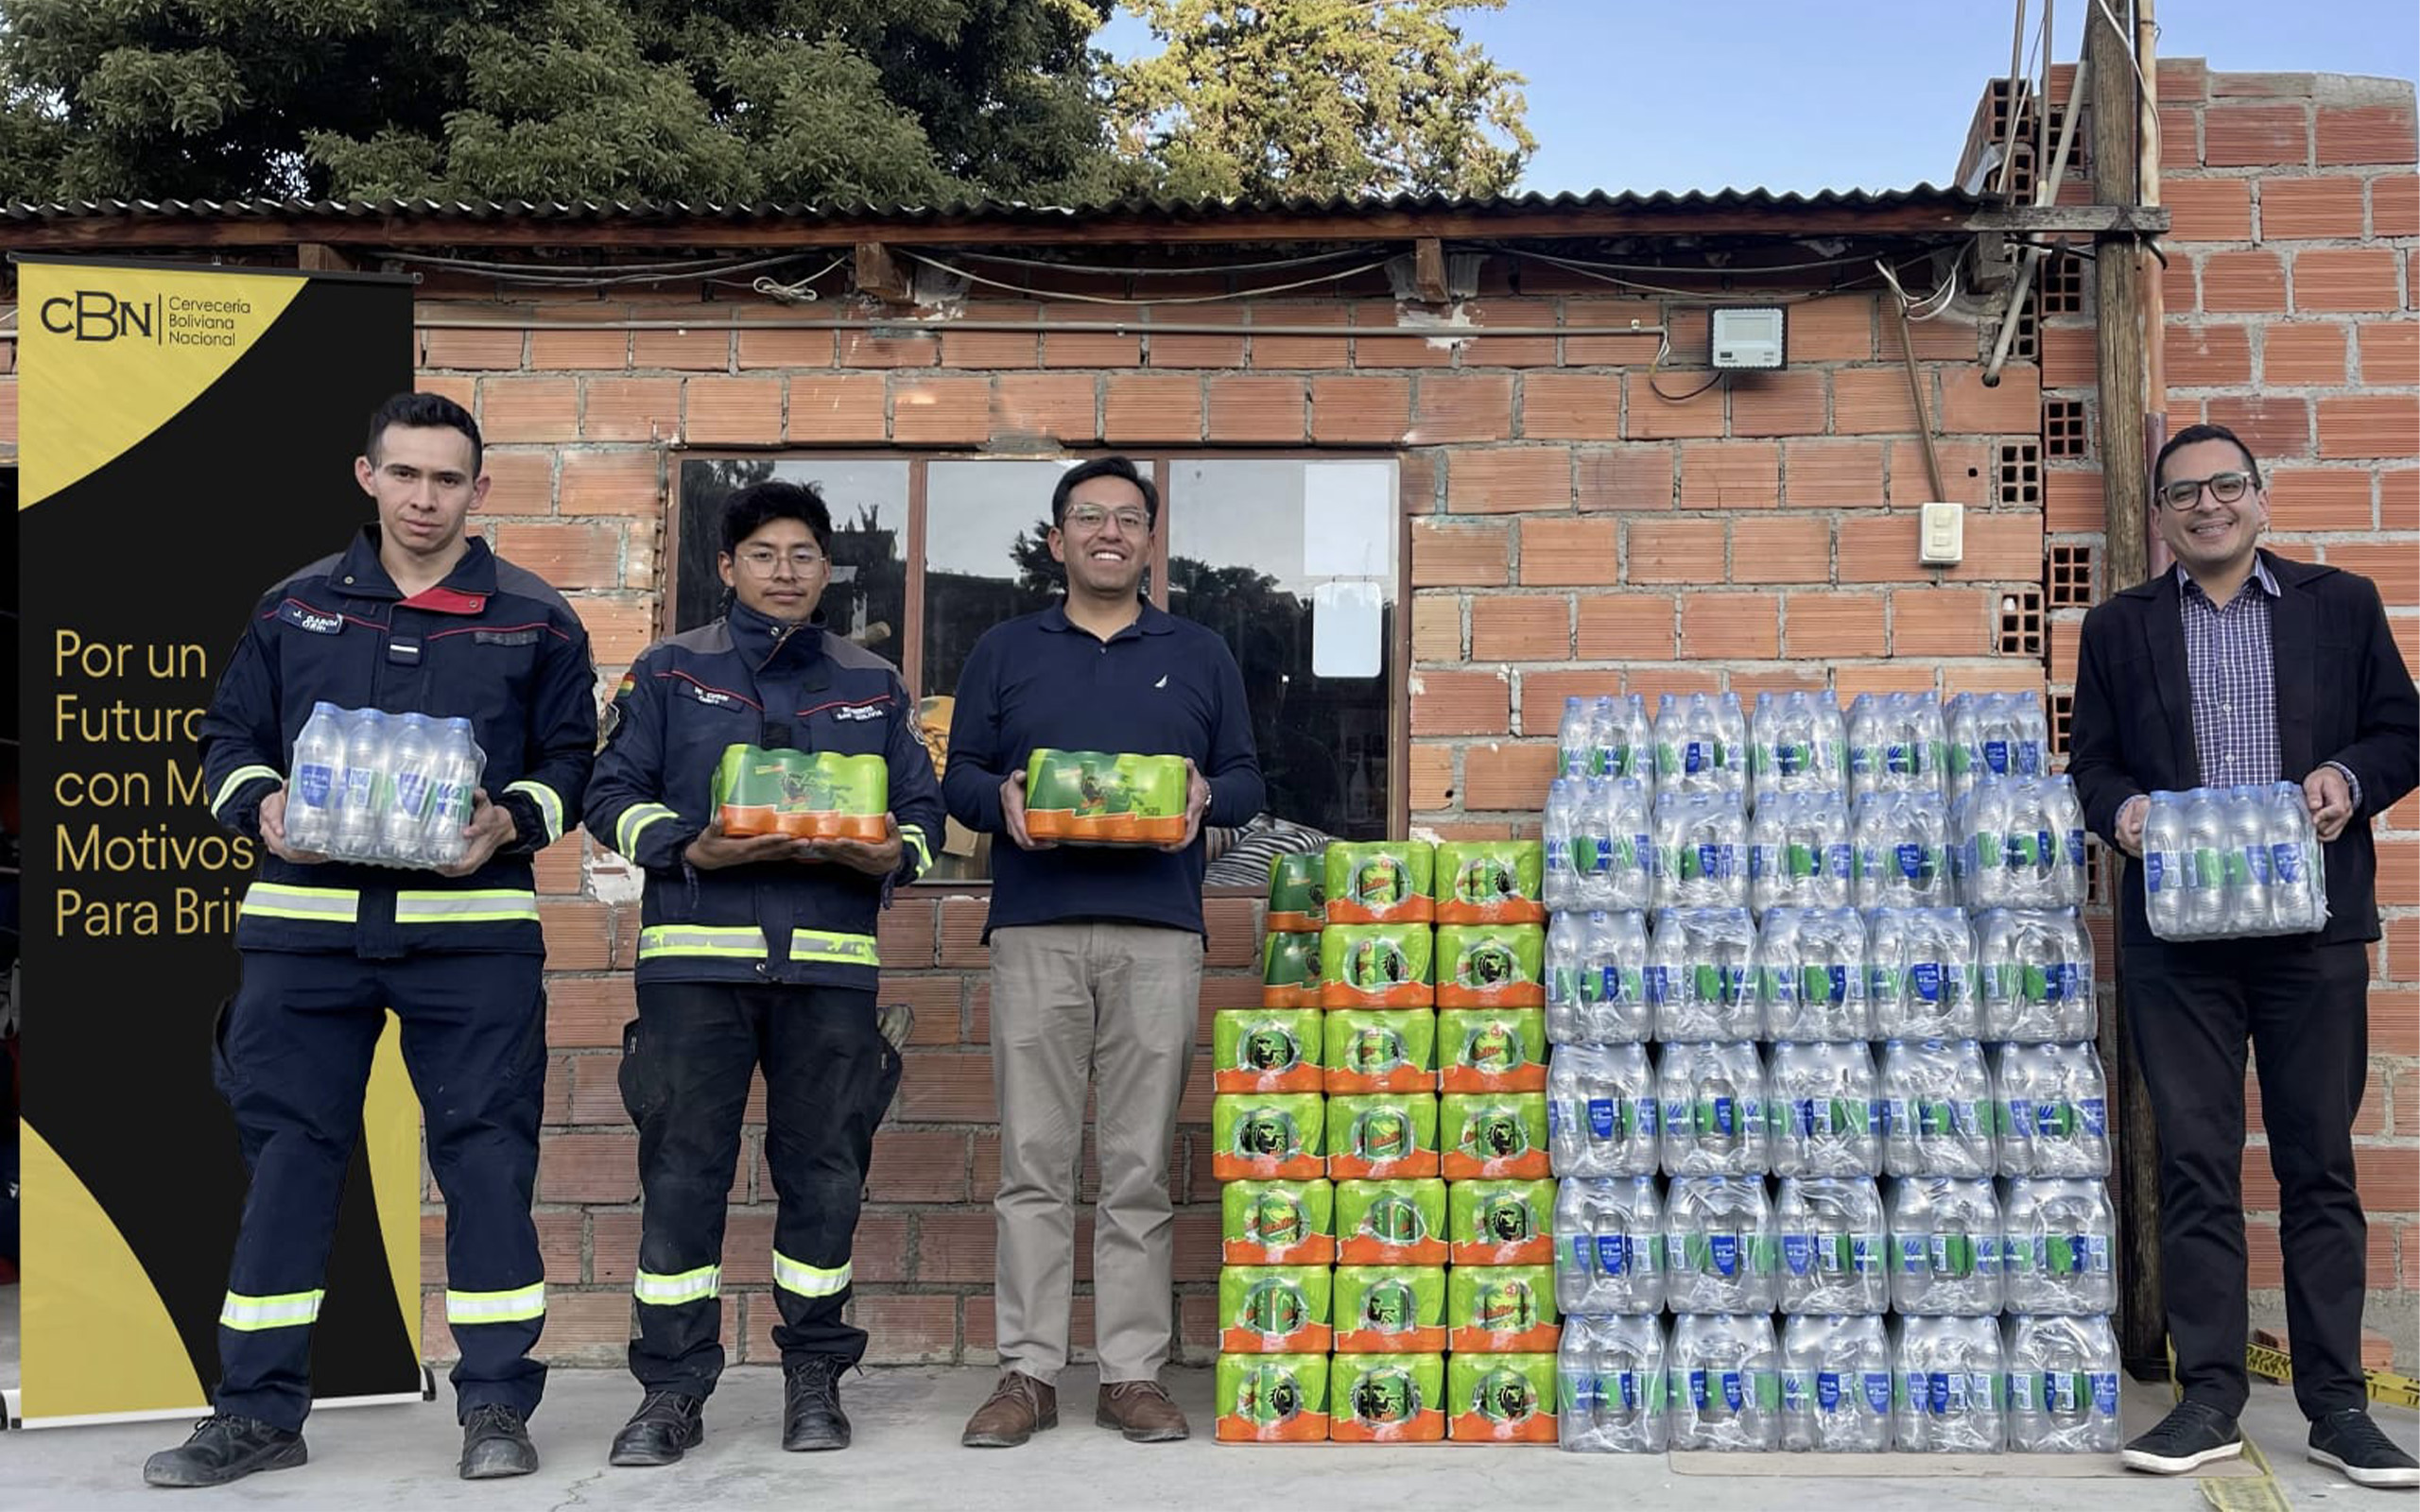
x=1347 y=627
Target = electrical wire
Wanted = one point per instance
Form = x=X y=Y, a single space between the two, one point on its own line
x=1585 y=270
x=794 y=292
x=1932 y=306
x=606 y=277
x=1116 y=299
x=1272 y=264
x=1597 y=265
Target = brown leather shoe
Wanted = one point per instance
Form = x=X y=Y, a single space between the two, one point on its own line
x=1141 y=1411
x=1019 y=1407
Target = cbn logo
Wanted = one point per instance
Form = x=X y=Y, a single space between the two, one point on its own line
x=97 y=314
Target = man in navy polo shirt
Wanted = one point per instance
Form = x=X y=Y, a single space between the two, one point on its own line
x=1096 y=952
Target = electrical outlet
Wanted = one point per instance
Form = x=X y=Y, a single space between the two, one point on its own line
x=1941 y=535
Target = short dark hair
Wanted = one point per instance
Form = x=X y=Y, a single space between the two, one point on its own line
x=746 y=511
x=418 y=411
x=2192 y=433
x=1104 y=467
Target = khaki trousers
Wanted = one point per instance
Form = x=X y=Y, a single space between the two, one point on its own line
x=1070 y=1001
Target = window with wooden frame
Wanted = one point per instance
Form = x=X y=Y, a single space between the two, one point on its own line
x=1294 y=559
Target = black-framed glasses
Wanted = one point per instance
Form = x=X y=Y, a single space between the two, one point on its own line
x=763 y=559
x=2227 y=488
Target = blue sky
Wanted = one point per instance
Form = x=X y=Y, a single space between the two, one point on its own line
x=1652 y=95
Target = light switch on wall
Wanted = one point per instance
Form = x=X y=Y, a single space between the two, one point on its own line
x=1941 y=535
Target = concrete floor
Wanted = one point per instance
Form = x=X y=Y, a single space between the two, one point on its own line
x=907 y=1456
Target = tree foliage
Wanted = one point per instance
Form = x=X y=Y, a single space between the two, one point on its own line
x=1320 y=97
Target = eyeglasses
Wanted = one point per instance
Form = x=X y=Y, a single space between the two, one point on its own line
x=1090 y=517
x=763 y=559
x=2226 y=488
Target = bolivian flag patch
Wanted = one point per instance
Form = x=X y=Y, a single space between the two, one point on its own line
x=613 y=718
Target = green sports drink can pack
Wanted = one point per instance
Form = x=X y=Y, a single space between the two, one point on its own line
x=1501 y=1309
x=1266 y=1049
x=1273 y=1399
x=1298 y=892
x=1490 y=965
x=1382 y=1136
x=1381 y=882
x=1391 y=1222
x=1268 y=1136
x=809 y=795
x=1277 y=1223
x=1500 y=1399
x=1389 y=1309
x=1492 y=1134
x=1289 y=971
x=1492 y=1050
x=1380 y=1050
x=1375 y=965
x=1105 y=797
x=1274 y=1309
x=1490 y=881
x=1500 y=1221
x=1387 y=1398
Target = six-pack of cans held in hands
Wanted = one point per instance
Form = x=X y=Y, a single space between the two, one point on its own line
x=2224 y=863
x=389 y=789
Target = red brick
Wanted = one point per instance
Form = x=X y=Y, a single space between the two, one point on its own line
x=2369 y=425
x=460 y=349
x=1432 y=778
x=1462 y=407
x=693 y=351
x=1571 y=406
x=1791 y=402
x=2394 y=1020
x=1504 y=480
x=588 y=1168
x=1510 y=777
x=1832 y=473
x=2073 y=501
x=1947 y=339
x=2176 y=78
x=2365 y=133
x=905 y=934
x=2305 y=209
x=2272 y=425
x=1300 y=351
x=1459 y=556
x=2000 y=548
x=959 y=945
x=863 y=349
x=2208 y=209
x=2399 y=499
x=2012 y=407
x=1781 y=549
x=519 y=482
x=2206 y=357
x=2070 y=357
x=1168 y=350
x=1652 y=417
x=2402 y=942
x=1833 y=624
x=1437 y=628
x=607 y=347
x=610 y=483
x=2319 y=499
x=2180 y=138
x=1748 y=684
x=529 y=409
x=1627 y=477
x=1871 y=401
x=2242 y=136
x=1358 y=408
x=2354 y=278
x=1064 y=406
x=1837 y=328
x=1257 y=409
x=1508 y=352
x=1374 y=345
x=1652 y=683
x=746 y=410
x=920 y=1165
x=945 y=1087
x=907 y=1328
x=1460 y=703
x=2395 y=205
x=1620 y=349
x=2391 y=353
x=1151 y=408
x=1673 y=551
x=1567 y=551
x=588 y=1010
x=630 y=409
x=2304 y=352
x=990 y=349
x=1940 y=620
x=1717 y=627
x=2243 y=283
x=1234 y=931
x=568 y=555
x=776 y=347
x=1880 y=548
x=940 y=410
x=1884 y=677
x=619 y=626
x=1731 y=475
x=2394 y=566
x=1087 y=349
x=1621 y=627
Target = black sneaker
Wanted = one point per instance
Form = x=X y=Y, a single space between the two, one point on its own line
x=2350 y=1442
x=811 y=1414
x=495 y=1443
x=666 y=1426
x=2190 y=1436
x=225 y=1448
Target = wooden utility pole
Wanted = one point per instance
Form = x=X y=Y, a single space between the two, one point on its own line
x=2118 y=284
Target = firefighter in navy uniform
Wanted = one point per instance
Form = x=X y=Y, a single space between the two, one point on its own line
x=754 y=952
x=415 y=615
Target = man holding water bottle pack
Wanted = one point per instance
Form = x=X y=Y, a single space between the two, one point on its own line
x=2242 y=668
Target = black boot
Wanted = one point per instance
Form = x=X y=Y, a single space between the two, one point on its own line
x=225 y=1448
x=495 y=1443
x=811 y=1414
x=666 y=1426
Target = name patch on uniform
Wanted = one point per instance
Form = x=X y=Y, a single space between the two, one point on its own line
x=716 y=697
x=504 y=637
x=302 y=617
x=860 y=711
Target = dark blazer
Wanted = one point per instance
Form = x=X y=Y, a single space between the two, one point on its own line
x=2343 y=694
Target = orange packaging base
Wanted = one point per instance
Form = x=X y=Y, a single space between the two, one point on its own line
x=1406 y=995
x=1424 y=1428
x=802 y=824
x=1311 y=1338
x=1409 y=911
x=1403 y=1079
x=1293 y=923
x=1409 y=1341
x=1477 y=1428
x=1317 y=1250
x=1360 y=1250
x=1303 y=1428
x=1516 y=995
x=1511 y=911
x=1305 y=1078
x=1538 y=1251
x=1456 y=1166
x=1529 y=1078
x=1541 y=1339
x=1291 y=997
x=1070 y=828
x=1269 y=1168
x=1354 y=1168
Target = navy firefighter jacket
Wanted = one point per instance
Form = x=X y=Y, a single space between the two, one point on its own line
x=748 y=680
x=492 y=643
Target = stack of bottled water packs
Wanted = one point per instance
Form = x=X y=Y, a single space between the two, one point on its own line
x=2228 y=862
x=389 y=789
x=1823 y=1009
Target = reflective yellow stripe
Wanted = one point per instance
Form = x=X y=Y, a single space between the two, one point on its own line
x=550 y=807
x=634 y=823
x=671 y=1290
x=516 y=1306
x=699 y=939
x=237 y=779
x=252 y=1313
x=844 y=950
x=808 y=1281
x=326 y=906
x=915 y=838
x=474 y=905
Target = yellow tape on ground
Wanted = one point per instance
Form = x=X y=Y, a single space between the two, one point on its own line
x=2384 y=1386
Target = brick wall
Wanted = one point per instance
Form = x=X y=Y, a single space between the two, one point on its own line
x=2289 y=293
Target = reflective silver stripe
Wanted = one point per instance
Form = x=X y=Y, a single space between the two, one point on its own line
x=326 y=905
x=671 y=1290
x=808 y=1281
x=516 y=1306
x=699 y=939
x=550 y=807
x=916 y=841
x=633 y=822
x=843 y=950
x=475 y=905
x=251 y=1314
x=237 y=779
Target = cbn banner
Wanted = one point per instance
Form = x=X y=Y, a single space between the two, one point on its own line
x=186 y=434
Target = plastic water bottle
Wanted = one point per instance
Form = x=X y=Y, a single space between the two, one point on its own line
x=2296 y=862
x=1721 y=1252
x=2051 y=1105
x=1995 y=735
x=1602 y=1110
x=312 y=796
x=1824 y=1110
x=2035 y=970
x=2022 y=845
x=1701 y=744
x=2251 y=866
x=2166 y=866
x=1812 y=974
x=410 y=762
x=1897 y=744
x=2205 y=899
x=1835 y=1246
x=1701 y=857
x=1797 y=744
x=1614 y=1380
x=1713 y=1109
x=1945 y=1248
x=1597 y=979
x=1952 y=1377
x=1900 y=851
x=1608 y=1246
x=1621 y=740
x=1834 y=1385
x=454 y=785
x=2062 y=1386
x=1575 y=742
x=1937 y=1107
x=365 y=784
x=1567 y=862
x=2057 y=1237
x=1614 y=810
x=1799 y=852
x=1725 y=1391
x=1701 y=965
x=1921 y=974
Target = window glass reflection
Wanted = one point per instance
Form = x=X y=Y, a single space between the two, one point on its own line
x=868 y=599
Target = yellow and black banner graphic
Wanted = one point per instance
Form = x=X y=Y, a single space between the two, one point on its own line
x=186 y=434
